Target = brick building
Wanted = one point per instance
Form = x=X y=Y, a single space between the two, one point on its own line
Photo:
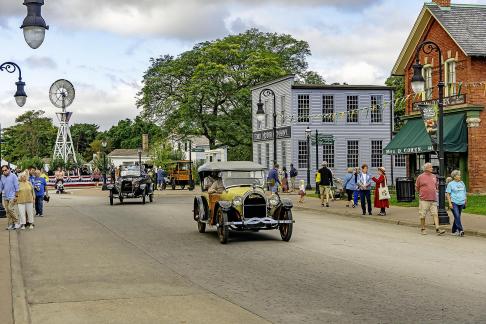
x=460 y=32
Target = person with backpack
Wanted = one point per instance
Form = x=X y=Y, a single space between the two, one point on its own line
x=293 y=176
x=326 y=183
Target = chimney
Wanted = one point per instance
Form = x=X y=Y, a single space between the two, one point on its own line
x=145 y=143
x=443 y=3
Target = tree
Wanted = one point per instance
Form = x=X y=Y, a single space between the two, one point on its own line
x=162 y=153
x=397 y=83
x=26 y=162
x=311 y=77
x=33 y=135
x=206 y=90
x=83 y=135
x=128 y=134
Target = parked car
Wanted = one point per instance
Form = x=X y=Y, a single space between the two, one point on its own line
x=242 y=204
x=131 y=184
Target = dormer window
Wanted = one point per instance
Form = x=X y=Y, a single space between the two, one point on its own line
x=450 y=78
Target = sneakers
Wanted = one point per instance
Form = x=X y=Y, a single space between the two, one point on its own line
x=423 y=231
x=22 y=227
x=455 y=233
x=31 y=226
x=10 y=227
x=439 y=231
x=461 y=233
x=327 y=205
x=353 y=205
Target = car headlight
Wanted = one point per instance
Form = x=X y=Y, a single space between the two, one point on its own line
x=274 y=200
x=237 y=201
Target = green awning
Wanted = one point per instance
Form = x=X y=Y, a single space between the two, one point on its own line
x=413 y=138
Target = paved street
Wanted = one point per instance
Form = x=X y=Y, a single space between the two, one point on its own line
x=87 y=262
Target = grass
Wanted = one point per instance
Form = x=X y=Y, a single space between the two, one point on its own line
x=476 y=204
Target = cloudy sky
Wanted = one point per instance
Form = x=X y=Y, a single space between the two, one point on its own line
x=103 y=47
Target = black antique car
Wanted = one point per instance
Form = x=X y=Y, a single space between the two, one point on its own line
x=131 y=184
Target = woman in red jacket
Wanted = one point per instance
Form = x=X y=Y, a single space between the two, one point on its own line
x=380 y=182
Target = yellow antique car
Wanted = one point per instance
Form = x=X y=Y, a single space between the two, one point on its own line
x=233 y=199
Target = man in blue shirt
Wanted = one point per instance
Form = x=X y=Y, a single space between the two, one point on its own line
x=273 y=179
x=40 y=189
x=160 y=178
x=9 y=185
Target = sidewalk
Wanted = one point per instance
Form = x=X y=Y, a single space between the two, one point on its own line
x=473 y=224
x=5 y=275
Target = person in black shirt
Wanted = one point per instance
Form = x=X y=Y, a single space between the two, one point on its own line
x=326 y=183
x=293 y=175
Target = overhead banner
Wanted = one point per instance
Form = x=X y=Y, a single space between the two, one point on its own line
x=429 y=116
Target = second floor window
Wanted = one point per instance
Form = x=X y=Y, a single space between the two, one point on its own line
x=328 y=109
x=352 y=109
x=450 y=71
x=303 y=107
x=427 y=72
x=376 y=109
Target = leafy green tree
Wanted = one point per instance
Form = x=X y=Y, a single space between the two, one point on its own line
x=83 y=135
x=397 y=83
x=206 y=91
x=33 y=135
x=128 y=134
x=27 y=162
x=163 y=153
x=57 y=163
x=311 y=77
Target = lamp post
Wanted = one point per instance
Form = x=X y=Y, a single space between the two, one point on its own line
x=191 y=181
x=20 y=96
x=317 y=160
x=418 y=86
x=139 y=151
x=104 y=144
x=260 y=114
x=2 y=210
x=308 y=135
x=34 y=26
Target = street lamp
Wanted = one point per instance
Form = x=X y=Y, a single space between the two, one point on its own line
x=104 y=144
x=317 y=160
x=308 y=135
x=34 y=26
x=139 y=151
x=260 y=114
x=418 y=86
x=191 y=181
x=20 y=96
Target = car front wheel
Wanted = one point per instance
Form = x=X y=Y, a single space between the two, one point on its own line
x=223 y=230
x=286 y=229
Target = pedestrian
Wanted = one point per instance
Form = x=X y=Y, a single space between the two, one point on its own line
x=426 y=186
x=325 y=184
x=44 y=175
x=112 y=174
x=457 y=197
x=350 y=186
x=40 y=189
x=293 y=176
x=285 y=180
x=96 y=176
x=302 y=191
x=59 y=178
x=380 y=182
x=25 y=202
x=364 y=185
x=9 y=186
x=272 y=178
x=31 y=174
x=356 y=190
x=117 y=172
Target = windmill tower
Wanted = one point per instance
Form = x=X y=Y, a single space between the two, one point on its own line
x=62 y=94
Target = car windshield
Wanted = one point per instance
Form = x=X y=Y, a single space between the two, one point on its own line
x=130 y=171
x=243 y=178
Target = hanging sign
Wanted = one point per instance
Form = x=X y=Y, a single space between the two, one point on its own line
x=322 y=139
x=267 y=135
x=429 y=116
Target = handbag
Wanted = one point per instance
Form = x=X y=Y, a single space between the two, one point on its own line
x=47 y=198
x=318 y=178
x=383 y=192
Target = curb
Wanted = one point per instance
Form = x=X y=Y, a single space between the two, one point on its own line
x=383 y=219
x=21 y=313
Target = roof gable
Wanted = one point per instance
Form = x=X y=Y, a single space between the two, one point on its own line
x=465 y=24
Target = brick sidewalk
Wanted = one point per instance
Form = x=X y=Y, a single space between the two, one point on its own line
x=473 y=224
x=5 y=275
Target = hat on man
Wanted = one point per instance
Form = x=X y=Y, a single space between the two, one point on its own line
x=324 y=164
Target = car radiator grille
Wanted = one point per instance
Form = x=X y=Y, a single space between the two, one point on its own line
x=126 y=186
x=255 y=206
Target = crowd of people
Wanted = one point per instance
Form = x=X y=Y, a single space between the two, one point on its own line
x=23 y=193
x=358 y=186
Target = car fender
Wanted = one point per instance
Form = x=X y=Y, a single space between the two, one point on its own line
x=287 y=203
x=225 y=205
x=202 y=210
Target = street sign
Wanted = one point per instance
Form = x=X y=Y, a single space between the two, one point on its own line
x=198 y=149
x=322 y=139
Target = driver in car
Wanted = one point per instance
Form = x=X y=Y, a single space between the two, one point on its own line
x=217 y=186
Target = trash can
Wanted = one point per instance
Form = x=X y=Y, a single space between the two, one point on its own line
x=405 y=189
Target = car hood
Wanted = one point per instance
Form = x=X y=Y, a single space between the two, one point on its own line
x=232 y=192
